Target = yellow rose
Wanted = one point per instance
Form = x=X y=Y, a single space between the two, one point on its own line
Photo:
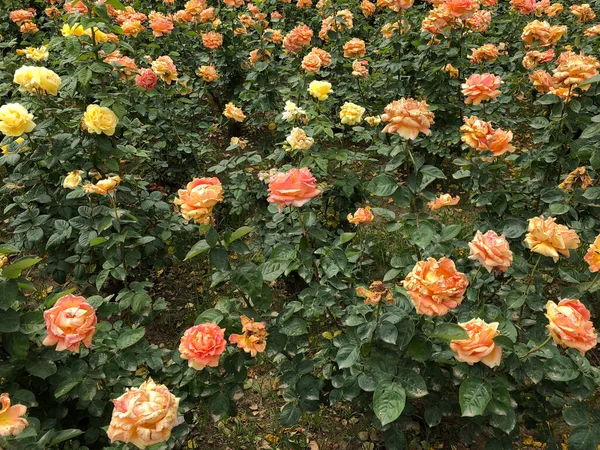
x=351 y=114
x=75 y=30
x=319 y=89
x=103 y=187
x=99 y=35
x=37 y=54
x=37 y=79
x=98 y=120
x=18 y=141
x=15 y=120
x=72 y=180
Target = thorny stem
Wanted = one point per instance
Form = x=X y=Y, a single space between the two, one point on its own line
x=531 y=277
x=309 y=245
x=539 y=347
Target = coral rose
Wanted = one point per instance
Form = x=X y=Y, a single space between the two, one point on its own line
x=542 y=81
x=72 y=180
x=476 y=132
x=199 y=197
x=442 y=201
x=499 y=142
x=408 y=117
x=548 y=238
x=202 y=345
x=523 y=6
x=354 y=48
x=362 y=215
x=146 y=79
x=15 y=120
x=69 y=323
x=297 y=38
x=298 y=140
x=377 y=291
x=233 y=112
x=592 y=31
x=99 y=120
x=492 y=251
x=480 y=21
x=319 y=89
x=481 y=87
x=11 y=422
x=570 y=325
x=435 y=287
x=208 y=73
x=160 y=25
x=480 y=345
x=592 y=256
x=21 y=16
x=253 y=339
x=212 y=40
x=103 y=187
x=546 y=34
x=463 y=9
x=294 y=187
x=144 y=416
x=351 y=114
x=311 y=63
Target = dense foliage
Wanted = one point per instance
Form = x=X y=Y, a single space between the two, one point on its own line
x=291 y=156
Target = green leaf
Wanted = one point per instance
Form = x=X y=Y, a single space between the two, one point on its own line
x=347 y=356
x=97 y=241
x=239 y=233
x=388 y=401
x=290 y=415
x=219 y=406
x=422 y=235
x=130 y=337
x=65 y=387
x=17 y=344
x=450 y=232
x=16 y=267
x=577 y=415
x=198 y=248
x=10 y=321
x=7 y=249
x=513 y=228
x=387 y=332
x=449 y=332
x=345 y=237
x=558 y=208
x=294 y=327
x=413 y=383
x=87 y=389
x=41 y=368
x=432 y=172
x=116 y=3
x=210 y=315
x=585 y=437
x=473 y=397
x=65 y=435
x=560 y=368
x=382 y=185
x=9 y=291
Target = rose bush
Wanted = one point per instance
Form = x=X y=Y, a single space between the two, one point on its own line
x=396 y=205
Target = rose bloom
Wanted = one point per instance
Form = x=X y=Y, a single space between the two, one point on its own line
x=253 y=339
x=75 y=30
x=132 y=27
x=592 y=31
x=103 y=187
x=492 y=251
x=240 y=142
x=489 y=3
x=208 y=15
x=208 y=73
x=481 y=87
x=15 y=120
x=298 y=140
x=144 y=416
x=377 y=291
x=574 y=69
x=234 y=3
x=442 y=201
x=487 y=52
x=297 y=38
x=579 y=177
x=554 y=10
x=570 y=325
x=96 y=35
x=292 y=112
x=29 y=27
x=77 y=7
x=548 y=238
x=324 y=56
x=11 y=422
x=480 y=21
x=542 y=81
x=499 y=142
x=311 y=63
x=202 y=345
x=354 y=48
x=272 y=35
x=546 y=34
x=259 y=55
x=199 y=197
x=592 y=257
x=160 y=25
x=476 y=132
x=438 y=19
x=480 y=345
x=98 y=120
x=435 y=287
x=584 y=13
x=53 y=12
x=69 y=323
x=233 y=112
x=463 y=9
x=362 y=215
x=533 y=58
x=523 y=6
x=367 y=8
x=388 y=29
x=452 y=71
x=294 y=187
x=37 y=80
x=165 y=69
x=304 y=4
x=351 y=114
x=408 y=117
x=319 y=89
x=373 y=120
x=72 y=180
x=212 y=40
x=146 y=79
x=21 y=16
x=36 y=54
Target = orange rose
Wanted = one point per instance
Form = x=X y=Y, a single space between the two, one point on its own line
x=435 y=287
x=208 y=15
x=160 y=25
x=253 y=339
x=202 y=345
x=574 y=69
x=523 y=6
x=199 y=198
x=103 y=187
x=546 y=34
x=499 y=142
x=311 y=63
x=487 y=52
x=533 y=58
x=480 y=345
x=584 y=13
x=11 y=422
x=208 y=73
x=165 y=68
x=442 y=201
x=70 y=322
x=233 y=112
x=548 y=238
x=481 y=87
x=132 y=27
x=212 y=40
x=144 y=416
x=463 y=9
x=21 y=16
x=475 y=132
x=362 y=215
x=367 y=8
x=297 y=38
x=377 y=291
x=354 y=48
x=592 y=257
x=294 y=187
x=554 y=10
x=480 y=21
x=324 y=56
x=542 y=81
x=570 y=325
x=492 y=251
x=408 y=117
x=592 y=31
x=452 y=71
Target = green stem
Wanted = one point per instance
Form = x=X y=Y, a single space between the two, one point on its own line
x=531 y=277
x=539 y=347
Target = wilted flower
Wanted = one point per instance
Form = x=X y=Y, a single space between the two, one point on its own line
x=373 y=120
x=377 y=291
x=570 y=325
x=548 y=238
x=72 y=180
x=554 y=10
x=408 y=117
x=442 y=201
x=103 y=187
x=298 y=140
x=579 y=177
x=362 y=215
x=253 y=339
x=452 y=71
x=584 y=13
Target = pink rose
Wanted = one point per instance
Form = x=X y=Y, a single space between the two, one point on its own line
x=481 y=87
x=146 y=79
x=202 y=345
x=70 y=322
x=491 y=250
x=295 y=187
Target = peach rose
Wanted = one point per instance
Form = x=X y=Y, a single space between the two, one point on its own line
x=208 y=73
x=592 y=257
x=554 y=10
x=481 y=87
x=546 y=34
x=144 y=416
x=146 y=79
x=253 y=339
x=584 y=13
x=574 y=69
x=160 y=25
x=202 y=345
x=294 y=187
x=435 y=287
x=233 y=112
x=69 y=323
x=367 y=8
x=212 y=40
x=523 y=6
x=480 y=21
x=570 y=325
x=324 y=56
x=533 y=58
x=11 y=422
x=21 y=16
x=198 y=199
x=355 y=48
x=499 y=142
x=480 y=345
x=208 y=15
x=359 y=68
x=29 y=27
x=487 y=52
x=492 y=251
x=442 y=201
x=475 y=132
x=362 y=215
x=548 y=238
x=311 y=63
x=542 y=81
x=592 y=31
x=103 y=187
x=408 y=117
x=132 y=27
x=377 y=291
x=463 y=9
x=297 y=38
x=165 y=68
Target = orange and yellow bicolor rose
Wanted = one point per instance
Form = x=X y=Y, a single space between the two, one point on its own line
x=11 y=421
x=69 y=323
x=570 y=325
x=548 y=238
x=480 y=345
x=198 y=199
x=492 y=251
x=362 y=215
x=294 y=187
x=202 y=345
x=592 y=256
